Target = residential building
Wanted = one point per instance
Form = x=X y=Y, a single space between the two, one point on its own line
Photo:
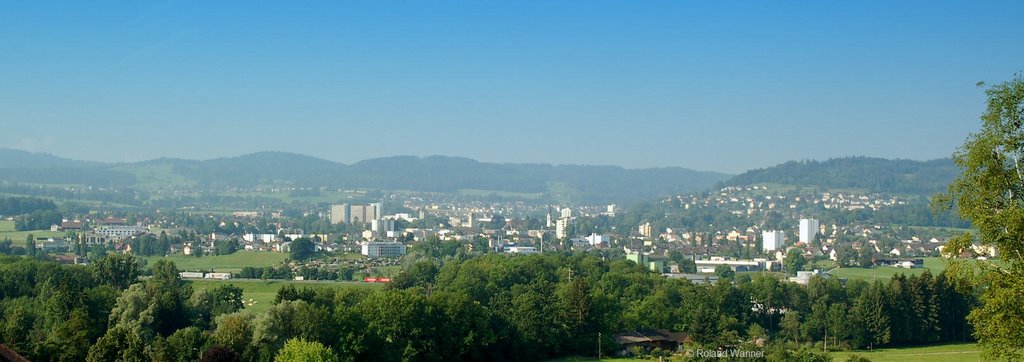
x=772 y=240
x=376 y=250
x=383 y=226
x=365 y=214
x=562 y=228
x=708 y=266
x=646 y=230
x=637 y=257
x=339 y=214
x=521 y=250
x=650 y=339
x=119 y=232
x=808 y=230
x=595 y=239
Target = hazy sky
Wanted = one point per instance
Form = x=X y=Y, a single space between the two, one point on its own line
x=710 y=85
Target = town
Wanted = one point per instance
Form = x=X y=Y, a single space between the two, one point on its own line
x=551 y=181
x=756 y=229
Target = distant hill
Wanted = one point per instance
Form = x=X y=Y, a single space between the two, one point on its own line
x=22 y=159
x=42 y=168
x=874 y=174
x=263 y=168
x=591 y=184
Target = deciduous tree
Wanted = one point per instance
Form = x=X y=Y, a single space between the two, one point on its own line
x=300 y=350
x=990 y=193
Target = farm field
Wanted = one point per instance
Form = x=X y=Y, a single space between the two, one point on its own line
x=935 y=264
x=942 y=353
x=18 y=237
x=884 y=273
x=232 y=263
x=258 y=295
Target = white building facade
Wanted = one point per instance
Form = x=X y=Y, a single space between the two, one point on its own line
x=376 y=250
x=120 y=232
x=562 y=228
x=773 y=240
x=808 y=230
x=596 y=239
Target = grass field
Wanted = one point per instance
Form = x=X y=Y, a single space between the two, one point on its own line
x=223 y=263
x=884 y=273
x=940 y=230
x=7 y=232
x=942 y=353
x=259 y=294
x=934 y=264
x=947 y=352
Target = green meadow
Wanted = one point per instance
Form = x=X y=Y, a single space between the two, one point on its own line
x=231 y=263
x=941 y=353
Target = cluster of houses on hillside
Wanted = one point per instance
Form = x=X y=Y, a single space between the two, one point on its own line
x=751 y=200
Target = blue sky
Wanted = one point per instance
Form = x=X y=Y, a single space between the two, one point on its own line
x=710 y=85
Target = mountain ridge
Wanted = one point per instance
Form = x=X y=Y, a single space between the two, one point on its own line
x=437 y=173
x=433 y=173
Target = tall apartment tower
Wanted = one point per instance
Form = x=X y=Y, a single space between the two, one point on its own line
x=808 y=230
x=377 y=210
x=562 y=228
x=363 y=214
x=646 y=230
x=339 y=213
x=773 y=240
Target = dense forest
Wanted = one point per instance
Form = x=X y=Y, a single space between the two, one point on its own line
x=32 y=213
x=491 y=307
x=872 y=174
x=24 y=205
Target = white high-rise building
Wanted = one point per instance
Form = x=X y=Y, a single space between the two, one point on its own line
x=566 y=212
x=382 y=226
x=562 y=228
x=594 y=239
x=808 y=230
x=646 y=230
x=773 y=240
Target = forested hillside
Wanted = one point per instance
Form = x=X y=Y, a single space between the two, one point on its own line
x=585 y=184
x=872 y=174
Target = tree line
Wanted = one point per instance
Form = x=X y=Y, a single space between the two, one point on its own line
x=489 y=307
x=24 y=205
